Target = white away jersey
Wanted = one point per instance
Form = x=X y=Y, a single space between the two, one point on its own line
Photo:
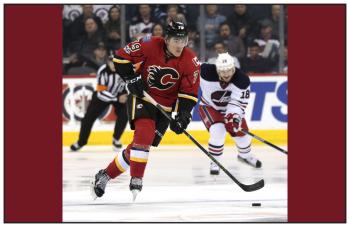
x=226 y=98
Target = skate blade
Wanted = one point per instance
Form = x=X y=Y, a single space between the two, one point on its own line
x=134 y=194
x=92 y=190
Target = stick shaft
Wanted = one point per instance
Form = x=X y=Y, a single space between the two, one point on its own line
x=264 y=141
x=252 y=187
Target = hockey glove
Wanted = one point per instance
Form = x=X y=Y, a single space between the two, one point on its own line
x=135 y=86
x=180 y=123
x=233 y=123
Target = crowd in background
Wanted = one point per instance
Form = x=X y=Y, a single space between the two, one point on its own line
x=250 y=33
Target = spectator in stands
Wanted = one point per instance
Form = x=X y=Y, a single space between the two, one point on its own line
x=83 y=51
x=242 y=23
x=99 y=58
x=234 y=44
x=275 y=15
x=71 y=12
x=141 y=24
x=254 y=63
x=93 y=36
x=112 y=28
x=268 y=43
x=102 y=11
x=159 y=13
x=193 y=39
x=212 y=21
x=220 y=48
x=78 y=26
x=158 y=30
x=172 y=11
x=191 y=12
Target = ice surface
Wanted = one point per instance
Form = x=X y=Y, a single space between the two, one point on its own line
x=177 y=188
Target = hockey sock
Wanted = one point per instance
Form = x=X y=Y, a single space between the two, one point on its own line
x=243 y=144
x=217 y=139
x=138 y=161
x=216 y=150
x=120 y=164
x=143 y=138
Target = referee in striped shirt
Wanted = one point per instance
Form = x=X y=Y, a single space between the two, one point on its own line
x=111 y=89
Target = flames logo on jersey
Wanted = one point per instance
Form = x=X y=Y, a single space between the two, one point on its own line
x=221 y=98
x=162 y=78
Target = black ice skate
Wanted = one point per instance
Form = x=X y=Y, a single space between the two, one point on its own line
x=214 y=169
x=117 y=146
x=98 y=185
x=75 y=147
x=135 y=186
x=250 y=160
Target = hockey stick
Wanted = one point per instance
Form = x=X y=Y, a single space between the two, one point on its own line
x=264 y=141
x=248 y=188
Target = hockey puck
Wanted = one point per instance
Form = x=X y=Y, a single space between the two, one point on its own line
x=256 y=204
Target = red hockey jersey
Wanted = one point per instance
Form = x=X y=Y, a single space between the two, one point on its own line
x=166 y=79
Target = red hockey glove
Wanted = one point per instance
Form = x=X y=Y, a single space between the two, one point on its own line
x=232 y=123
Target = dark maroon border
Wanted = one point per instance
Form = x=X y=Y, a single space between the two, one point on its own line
x=33 y=125
x=316 y=113
x=316 y=129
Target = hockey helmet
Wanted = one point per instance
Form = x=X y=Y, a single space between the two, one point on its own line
x=225 y=66
x=176 y=29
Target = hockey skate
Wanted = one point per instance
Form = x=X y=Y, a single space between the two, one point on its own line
x=117 y=146
x=250 y=160
x=214 y=169
x=98 y=184
x=75 y=147
x=135 y=186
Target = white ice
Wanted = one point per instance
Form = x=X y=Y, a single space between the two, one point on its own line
x=177 y=187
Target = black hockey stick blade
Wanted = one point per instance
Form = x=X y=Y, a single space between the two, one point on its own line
x=253 y=187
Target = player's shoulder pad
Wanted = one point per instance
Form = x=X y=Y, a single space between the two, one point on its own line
x=147 y=38
x=151 y=39
x=189 y=58
x=150 y=42
x=208 y=72
x=240 y=79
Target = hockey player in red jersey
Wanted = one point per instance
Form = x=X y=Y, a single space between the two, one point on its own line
x=225 y=95
x=169 y=72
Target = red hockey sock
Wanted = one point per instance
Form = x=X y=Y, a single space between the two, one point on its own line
x=138 y=161
x=143 y=138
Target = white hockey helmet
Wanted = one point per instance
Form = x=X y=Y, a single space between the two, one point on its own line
x=225 y=66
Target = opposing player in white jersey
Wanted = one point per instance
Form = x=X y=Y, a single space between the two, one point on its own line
x=225 y=95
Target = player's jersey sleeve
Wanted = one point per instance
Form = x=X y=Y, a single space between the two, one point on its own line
x=189 y=85
x=136 y=51
x=240 y=94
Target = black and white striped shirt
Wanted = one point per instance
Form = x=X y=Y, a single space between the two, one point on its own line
x=114 y=83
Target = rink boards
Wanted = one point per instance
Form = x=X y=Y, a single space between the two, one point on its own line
x=266 y=114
